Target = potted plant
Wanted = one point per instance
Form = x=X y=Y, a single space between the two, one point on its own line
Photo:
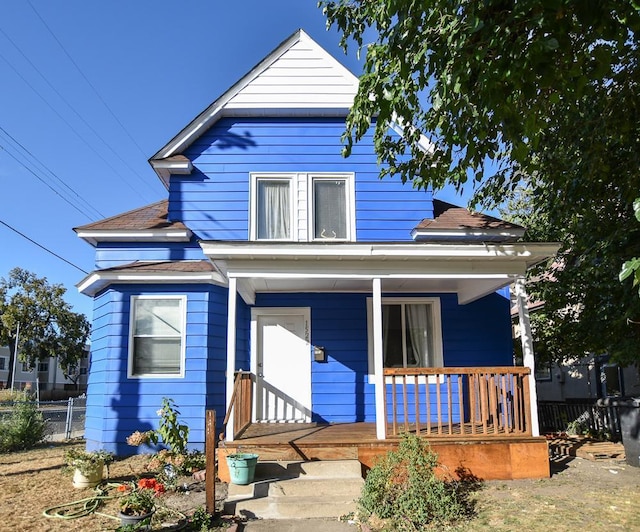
x=88 y=466
x=139 y=500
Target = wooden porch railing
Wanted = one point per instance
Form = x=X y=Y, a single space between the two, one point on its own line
x=241 y=403
x=477 y=402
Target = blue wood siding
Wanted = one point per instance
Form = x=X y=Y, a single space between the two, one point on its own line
x=214 y=201
x=116 y=405
x=109 y=255
x=478 y=334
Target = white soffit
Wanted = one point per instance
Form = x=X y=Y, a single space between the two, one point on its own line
x=95 y=236
x=98 y=280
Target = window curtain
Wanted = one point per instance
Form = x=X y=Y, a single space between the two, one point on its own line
x=330 y=209
x=386 y=319
x=274 y=210
x=419 y=330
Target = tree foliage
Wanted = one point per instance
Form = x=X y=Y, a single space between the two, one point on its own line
x=482 y=81
x=48 y=327
x=540 y=94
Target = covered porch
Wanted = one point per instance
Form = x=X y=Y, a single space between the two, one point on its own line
x=478 y=421
x=453 y=407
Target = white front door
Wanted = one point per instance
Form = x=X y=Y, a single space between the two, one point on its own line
x=282 y=365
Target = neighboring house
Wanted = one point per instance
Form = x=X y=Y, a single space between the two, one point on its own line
x=586 y=379
x=47 y=375
x=332 y=288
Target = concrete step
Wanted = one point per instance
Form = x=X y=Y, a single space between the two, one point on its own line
x=298 y=490
x=319 y=487
x=324 y=468
x=291 y=507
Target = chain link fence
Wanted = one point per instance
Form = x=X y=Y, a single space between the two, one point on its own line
x=65 y=419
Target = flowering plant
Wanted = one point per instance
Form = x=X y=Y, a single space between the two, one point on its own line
x=139 y=497
x=172 y=433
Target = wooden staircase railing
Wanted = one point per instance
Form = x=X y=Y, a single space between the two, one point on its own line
x=240 y=404
x=476 y=403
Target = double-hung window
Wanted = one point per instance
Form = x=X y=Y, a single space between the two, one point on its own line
x=302 y=207
x=411 y=333
x=329 y=196
x=273 y=212
x=157 y=336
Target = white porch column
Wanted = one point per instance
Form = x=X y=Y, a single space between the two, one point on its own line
x=231 y=349
x=527 y=350
x=381 y=415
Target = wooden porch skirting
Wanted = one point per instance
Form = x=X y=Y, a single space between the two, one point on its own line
x=499 y=457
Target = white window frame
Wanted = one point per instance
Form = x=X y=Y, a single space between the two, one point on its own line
x=350 y=207
x=183 y=334
x=253 y=205
x=301 y=196
x=43 y=367
x=437 y=326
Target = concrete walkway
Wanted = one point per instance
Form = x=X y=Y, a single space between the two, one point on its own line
x=298 y=525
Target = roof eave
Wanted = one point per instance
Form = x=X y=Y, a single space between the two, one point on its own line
x=481 y=235
x=164 y=168
x=172 y=235
x=99 y=280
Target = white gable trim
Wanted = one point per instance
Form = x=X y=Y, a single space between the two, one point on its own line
x=212 y=113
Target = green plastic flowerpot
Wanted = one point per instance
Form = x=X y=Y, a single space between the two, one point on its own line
x=242 y=468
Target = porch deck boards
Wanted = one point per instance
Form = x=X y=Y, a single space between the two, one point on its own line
x=353 y=433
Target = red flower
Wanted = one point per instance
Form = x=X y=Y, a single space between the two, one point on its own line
x=151 y=484
x=123 y=487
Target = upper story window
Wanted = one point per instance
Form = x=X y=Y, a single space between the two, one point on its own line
x=274 y=214
x=330 y=208
x=157 y=336
x=302 y=207
x=3 y=362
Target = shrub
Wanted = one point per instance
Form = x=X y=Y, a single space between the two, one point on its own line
x=403 y=490
x=23 y=429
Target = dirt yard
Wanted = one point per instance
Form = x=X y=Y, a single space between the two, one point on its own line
x=581 y=494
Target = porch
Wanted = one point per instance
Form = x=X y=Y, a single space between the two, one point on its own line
x=478 y=421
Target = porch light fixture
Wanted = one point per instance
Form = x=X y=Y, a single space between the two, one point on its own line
x=319 y=354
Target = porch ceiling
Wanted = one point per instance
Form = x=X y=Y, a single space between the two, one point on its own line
x=469 y=270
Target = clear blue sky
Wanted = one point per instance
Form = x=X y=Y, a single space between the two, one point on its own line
x=90 y=90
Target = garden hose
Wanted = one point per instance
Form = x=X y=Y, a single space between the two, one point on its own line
x=82 y=507
x=89 y=505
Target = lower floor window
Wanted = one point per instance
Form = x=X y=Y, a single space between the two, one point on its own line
x=409 y=336
x=157 y=336
x=411 y=333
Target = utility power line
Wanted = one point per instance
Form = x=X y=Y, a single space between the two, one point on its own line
x=43 y=247
x=53 y=174
x=80 y=117
x=127 y=182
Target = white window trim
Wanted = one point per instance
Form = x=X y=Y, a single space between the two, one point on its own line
x=253 y=205
x=301 y=190
x=350 y=204
x=437 y=329
x=183 y=337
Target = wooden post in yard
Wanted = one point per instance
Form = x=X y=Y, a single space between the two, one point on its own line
x=210 y=457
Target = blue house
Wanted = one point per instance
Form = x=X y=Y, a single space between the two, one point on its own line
x=286 y=286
